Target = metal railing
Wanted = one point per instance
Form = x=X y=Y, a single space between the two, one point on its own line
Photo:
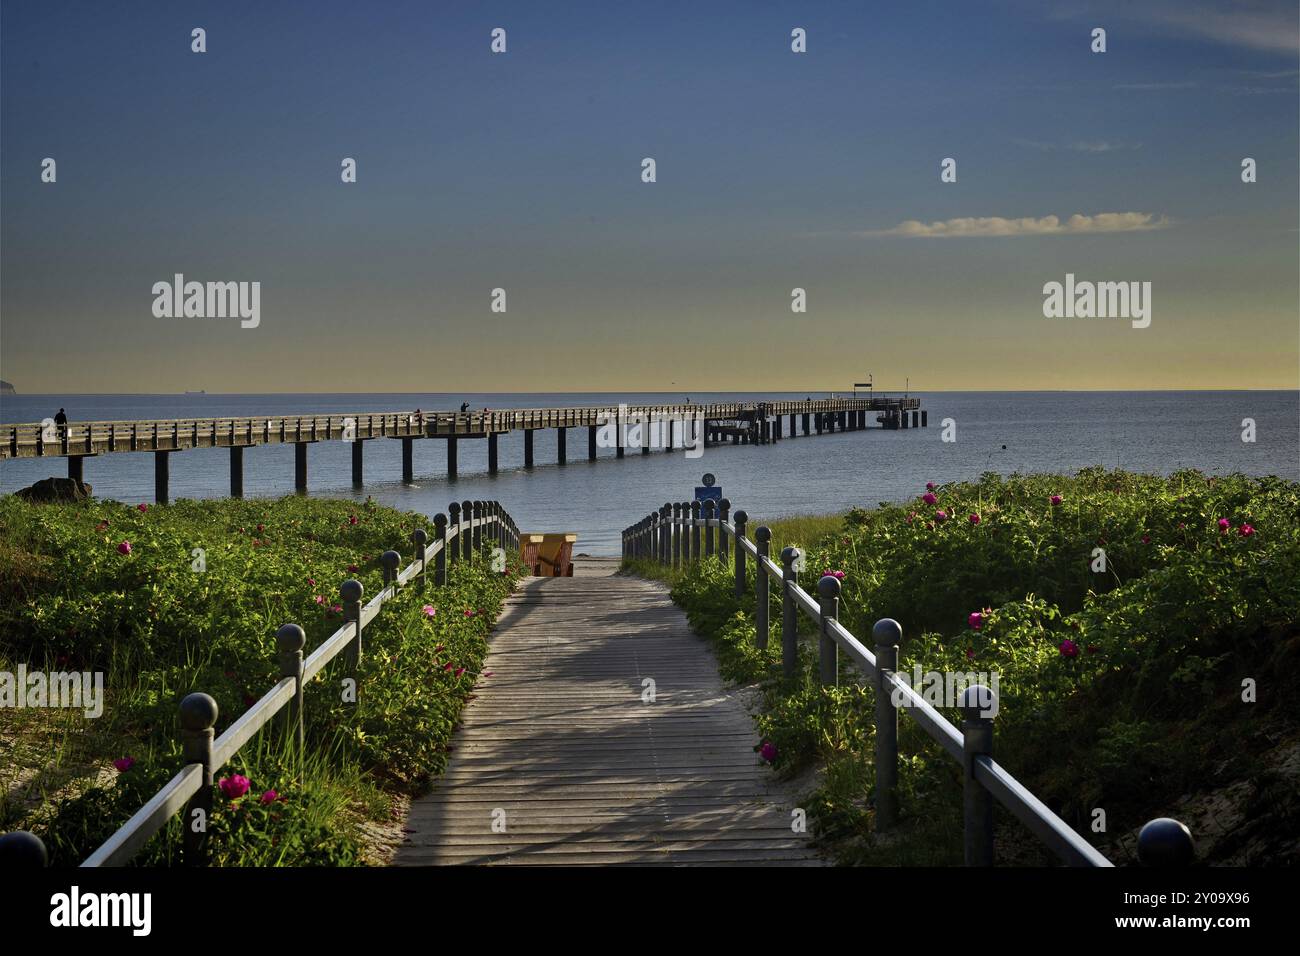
x=683 y=533
x=460 y=535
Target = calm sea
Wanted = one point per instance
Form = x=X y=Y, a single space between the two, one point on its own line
x=996 y=431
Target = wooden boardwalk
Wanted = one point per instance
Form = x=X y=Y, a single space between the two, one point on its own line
x=560 y=753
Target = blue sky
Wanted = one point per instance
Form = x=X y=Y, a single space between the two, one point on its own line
x=522 y=171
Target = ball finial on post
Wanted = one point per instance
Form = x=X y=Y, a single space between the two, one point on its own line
x=828 y=586
x=351 y=590
x=1165 y=842
x=21 y=850
x=887 y=632
x=198 y=712
x=290 y=638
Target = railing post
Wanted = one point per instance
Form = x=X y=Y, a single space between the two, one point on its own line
x=290 y=639
x=741 y=583
x=695 y=532
x=724 y=512
x=789 y=610
x=887 y=634
x=21 y=850
x=478 y=528
x=420 y=538
x=198 y=717
x=828 y=653
x=350 y=592
x=977 y=707
x=467 y=532
x=453 y=521
x=440 y=559
x=665 y=533
x=762 y=607
x=1165 y=842
x=710 y=511
x=389 y=561
x=676 y=544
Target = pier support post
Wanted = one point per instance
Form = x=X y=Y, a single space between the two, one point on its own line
x=528 y=447
x=793 y=430
x=451 y=457
x=562 y=445
x=75 y=471
x=902 y=416
x=619 y=425
x=236 y=471
x=492 y=453
x=591 y=443
x=820 y=416
x=776 y=428
x=358 y=453
x=160 y=466
x=916 y=419
x=408 y=460
x=805 y=423
x=300 y=465
x=925 y=418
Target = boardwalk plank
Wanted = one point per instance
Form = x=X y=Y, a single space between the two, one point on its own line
x=559 y=747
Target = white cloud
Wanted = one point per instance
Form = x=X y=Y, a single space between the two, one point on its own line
x=997 y=226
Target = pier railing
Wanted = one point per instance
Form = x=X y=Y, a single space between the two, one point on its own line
x=460 y=535
x=44 y=439
x=680 y=534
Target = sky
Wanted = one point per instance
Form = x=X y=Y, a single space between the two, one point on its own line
x=523 y=171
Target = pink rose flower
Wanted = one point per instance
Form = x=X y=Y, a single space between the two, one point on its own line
x=974 y=519
x=767 y=751
x=269 y=797
x=1056 y=500
x=234 y=786
x=1246 y=530
x=123 y=764
x=142 y=507
x=1068 y=648
x=1224 y=524
x=929 y=498
x=976 y=620
x=429 y=610
x=124 y=547
x=941 y=516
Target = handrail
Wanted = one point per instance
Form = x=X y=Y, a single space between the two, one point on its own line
x=671 y=536
x=38 y=439
x=191 y=788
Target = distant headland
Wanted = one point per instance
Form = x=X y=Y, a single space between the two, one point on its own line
x=6 y=389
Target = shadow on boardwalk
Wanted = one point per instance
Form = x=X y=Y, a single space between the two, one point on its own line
x=560 y=761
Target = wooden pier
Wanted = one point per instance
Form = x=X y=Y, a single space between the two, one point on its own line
x=643 y=427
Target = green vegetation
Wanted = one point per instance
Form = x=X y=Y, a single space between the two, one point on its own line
x=162 y=619
x=1120 y=689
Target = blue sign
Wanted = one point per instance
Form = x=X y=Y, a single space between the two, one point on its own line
x=708 y=493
